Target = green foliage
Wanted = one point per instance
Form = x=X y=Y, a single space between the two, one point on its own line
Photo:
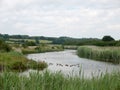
x=108 y=54
x=30 y=43
x=42 y=48
x=18 y=62
x=36 y=40
x=4 y=46
x=37 y=65
x=107 y=38
x=18 y=66
x=57 y=81
x=24 y=45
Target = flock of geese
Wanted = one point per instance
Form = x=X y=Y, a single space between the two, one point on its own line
x=57 y=64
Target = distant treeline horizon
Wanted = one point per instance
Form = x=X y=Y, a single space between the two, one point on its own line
x=20 y=36
x=105 y=41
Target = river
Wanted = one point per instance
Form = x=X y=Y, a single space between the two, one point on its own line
x=69 y=63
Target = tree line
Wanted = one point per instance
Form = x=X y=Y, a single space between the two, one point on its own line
x=105 y=41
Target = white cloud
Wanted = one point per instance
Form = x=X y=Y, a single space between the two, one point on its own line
x=76 y=18
x=114 y=27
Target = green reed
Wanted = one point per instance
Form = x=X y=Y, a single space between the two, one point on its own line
x=57 y=81
x=107 y=54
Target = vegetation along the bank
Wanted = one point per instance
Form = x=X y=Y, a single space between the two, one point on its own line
x=107 y=54
x=16 y=61
x=42 y=48
x=57 y=81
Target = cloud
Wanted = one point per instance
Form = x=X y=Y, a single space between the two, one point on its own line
x=75 y=18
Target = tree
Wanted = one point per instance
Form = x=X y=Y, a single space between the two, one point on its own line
x=37 y=41
x=4 y=46
x=108 y=38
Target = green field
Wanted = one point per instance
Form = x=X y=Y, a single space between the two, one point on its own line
x=11 y=40
x=45 y=41
x=107 y=54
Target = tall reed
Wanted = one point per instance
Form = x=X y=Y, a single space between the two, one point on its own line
x=107 y=54
x=57 y=81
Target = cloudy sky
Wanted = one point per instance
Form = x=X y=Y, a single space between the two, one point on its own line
x=74 y=18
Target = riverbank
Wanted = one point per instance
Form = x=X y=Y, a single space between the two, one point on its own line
x=107 y=54
x=15 y=61
x=57 y=81
x=42 y=48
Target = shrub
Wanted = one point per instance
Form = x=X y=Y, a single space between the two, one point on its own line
x=4 y=46
x=18 y=66
x=37 y=65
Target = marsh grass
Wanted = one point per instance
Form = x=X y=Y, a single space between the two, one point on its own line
x=57 y=81
x=107 y=54
x=18 y=62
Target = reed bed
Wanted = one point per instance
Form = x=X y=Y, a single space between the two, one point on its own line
x=107 y=54
x=57 y=81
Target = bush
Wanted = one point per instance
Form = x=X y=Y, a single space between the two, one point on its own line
x=18 y=66
x=4 y=46
x=37 y=65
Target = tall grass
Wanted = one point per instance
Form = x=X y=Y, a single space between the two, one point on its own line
x=57 y=81
x=17 y=61
x=107 y=54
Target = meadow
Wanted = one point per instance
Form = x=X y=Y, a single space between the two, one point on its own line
x=107 y=54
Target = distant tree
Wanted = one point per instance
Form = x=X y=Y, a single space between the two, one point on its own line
x=108 y=38
x=37 y=41
x=24 y=45
x=4 y=46
x=30 y=43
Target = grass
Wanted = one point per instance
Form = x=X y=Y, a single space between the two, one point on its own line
x=42 y=48
x=45 y=41
x=11 y=39
x=18 y=62
x=70 y=47
x=57 y=81
x=107 y=54
x=33 y=40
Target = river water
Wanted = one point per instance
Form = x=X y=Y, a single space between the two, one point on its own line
x=69 y=63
